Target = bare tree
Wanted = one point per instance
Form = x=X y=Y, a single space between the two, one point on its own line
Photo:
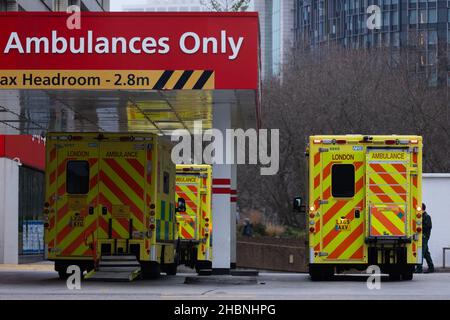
x=225 y=5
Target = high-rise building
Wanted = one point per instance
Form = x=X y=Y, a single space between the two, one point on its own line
x=264 y=8
x=419 y=24
x=282 y=32
x=277 y=33
x=53 y=5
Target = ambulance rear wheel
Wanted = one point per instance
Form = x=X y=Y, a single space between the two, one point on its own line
x=150 y=270
x=407 y=276
x=171 y=269
x=321 y=273
x=63 y=275
x=408 y=273
x=394 y=276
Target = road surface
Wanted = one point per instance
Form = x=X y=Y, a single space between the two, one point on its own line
x=35 y=281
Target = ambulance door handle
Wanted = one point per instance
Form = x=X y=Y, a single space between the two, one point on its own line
x=104 y=211
x=357 y=214
x=91 y=210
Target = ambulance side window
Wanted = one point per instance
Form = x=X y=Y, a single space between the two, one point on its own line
x=343 y=181
x=166 y=180
x=77 y=177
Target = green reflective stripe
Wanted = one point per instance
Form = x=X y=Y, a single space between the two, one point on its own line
x=158 y=229
x=163 y=210
x=166 y=230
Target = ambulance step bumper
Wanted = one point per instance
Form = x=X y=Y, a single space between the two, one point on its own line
x=388 y=240
x=112 y=276
x=118 y=258
x=116 y=268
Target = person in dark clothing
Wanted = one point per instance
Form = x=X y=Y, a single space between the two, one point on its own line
x=426 y=233
x=248 y=228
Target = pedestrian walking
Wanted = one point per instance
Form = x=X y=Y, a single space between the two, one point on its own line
x=426 y=233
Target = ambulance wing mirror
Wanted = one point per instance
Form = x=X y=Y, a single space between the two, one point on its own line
x=298 y=204
x=181 y=207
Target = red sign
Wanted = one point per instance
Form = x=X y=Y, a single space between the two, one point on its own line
x=223 y=44
x=28 y=149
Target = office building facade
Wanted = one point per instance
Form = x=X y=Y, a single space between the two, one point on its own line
x=422 y=25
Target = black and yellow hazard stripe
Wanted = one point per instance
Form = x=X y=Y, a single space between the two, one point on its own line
x=185 y=80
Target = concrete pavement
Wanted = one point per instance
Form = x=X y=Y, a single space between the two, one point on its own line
x=39 y=281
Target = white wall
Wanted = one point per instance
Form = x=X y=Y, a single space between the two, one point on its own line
x=436 y=196
x=9 y=211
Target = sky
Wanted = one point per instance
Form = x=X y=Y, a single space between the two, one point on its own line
x=116 y=5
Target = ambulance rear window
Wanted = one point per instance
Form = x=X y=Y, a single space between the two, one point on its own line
x=343 y=181
x=77 y=179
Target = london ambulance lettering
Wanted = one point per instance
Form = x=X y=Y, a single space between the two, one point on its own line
x=73 y=153
x=342 y=156
x=388 y=156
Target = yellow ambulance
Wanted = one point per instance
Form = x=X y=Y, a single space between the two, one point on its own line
x=194 y=218
x=364 y=204
x=110 y=195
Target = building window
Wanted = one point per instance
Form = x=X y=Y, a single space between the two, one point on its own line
x=412 y=16
x=77 y=177
x=343 y=181
x=422 y=16
x=432 y=15
x=432 y=37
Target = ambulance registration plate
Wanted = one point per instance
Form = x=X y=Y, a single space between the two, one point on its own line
x=343 y=225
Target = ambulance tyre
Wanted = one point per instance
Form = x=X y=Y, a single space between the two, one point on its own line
x=321 y=272
x=150 y=270
x=407 y=276
x=170 y=269
x=61 y=268
x=63 y=275
x=394 y=276
x=408 y=273
x=315 y=275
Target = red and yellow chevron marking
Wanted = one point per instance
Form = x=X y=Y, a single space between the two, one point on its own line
x=387 y=183
x=114 y=181
x=387 y=194
x=315 y=196
x=51 y=189
x=122 y=181
x=387 y=221
x=71 y=240
x=187 y=227
x=148 y=179
x=339 y=244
